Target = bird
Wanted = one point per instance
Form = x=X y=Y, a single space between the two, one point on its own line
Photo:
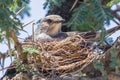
x=49 y=27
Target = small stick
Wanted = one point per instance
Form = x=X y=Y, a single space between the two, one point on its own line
x=33 y=34
x=28 y=23
x=9 y=47
x=76 y=1
x=9 y=67
x=20 y=11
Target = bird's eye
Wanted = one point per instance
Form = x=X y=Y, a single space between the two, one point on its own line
x=49 y=21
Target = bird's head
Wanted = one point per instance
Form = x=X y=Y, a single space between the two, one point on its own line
x=52 y=24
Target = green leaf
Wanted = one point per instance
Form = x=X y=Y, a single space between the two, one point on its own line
x=112 y=2
x=31 y=51
x=115 y=61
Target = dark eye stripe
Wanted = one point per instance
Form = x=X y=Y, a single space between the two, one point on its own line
x=60 y=21
x=49 y=21
x=56 y=21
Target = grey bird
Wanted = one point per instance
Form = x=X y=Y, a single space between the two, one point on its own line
x=50 y=27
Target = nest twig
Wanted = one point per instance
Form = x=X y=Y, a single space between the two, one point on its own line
x=68 y=55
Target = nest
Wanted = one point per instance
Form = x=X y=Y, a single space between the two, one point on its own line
x=68 y=55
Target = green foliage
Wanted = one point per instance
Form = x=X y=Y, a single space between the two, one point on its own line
x=24 y=12
x=31 y=51
x=8 y=17
x=25 y=67
x=112 y=2
x=2 y=36
x=52 y=3
x=100 y=66
x=102 y=36
x=86 y=16
x=91 y=15
x=115 y=61
x=22 y=67
x=6 y=21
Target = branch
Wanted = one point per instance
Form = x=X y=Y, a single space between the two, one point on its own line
x=104 y=2
x=9 y=67
x=28 y=23
x=114 y=29
x=109 y=32
x=18 y=46
x=114 y=12
x=2 y=59
x=20 y=11
x=9 y=46
x=95 y=36
x=116 y=22
x=33 y=33
x=76 y=1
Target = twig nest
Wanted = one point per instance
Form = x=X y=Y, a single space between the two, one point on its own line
x=67 y=55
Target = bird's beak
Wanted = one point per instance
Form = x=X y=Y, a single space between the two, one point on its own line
x=62 y=20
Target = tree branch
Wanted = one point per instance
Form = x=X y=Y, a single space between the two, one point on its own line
x=114 y=12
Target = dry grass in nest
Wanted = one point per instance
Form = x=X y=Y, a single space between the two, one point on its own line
x=63 y=56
